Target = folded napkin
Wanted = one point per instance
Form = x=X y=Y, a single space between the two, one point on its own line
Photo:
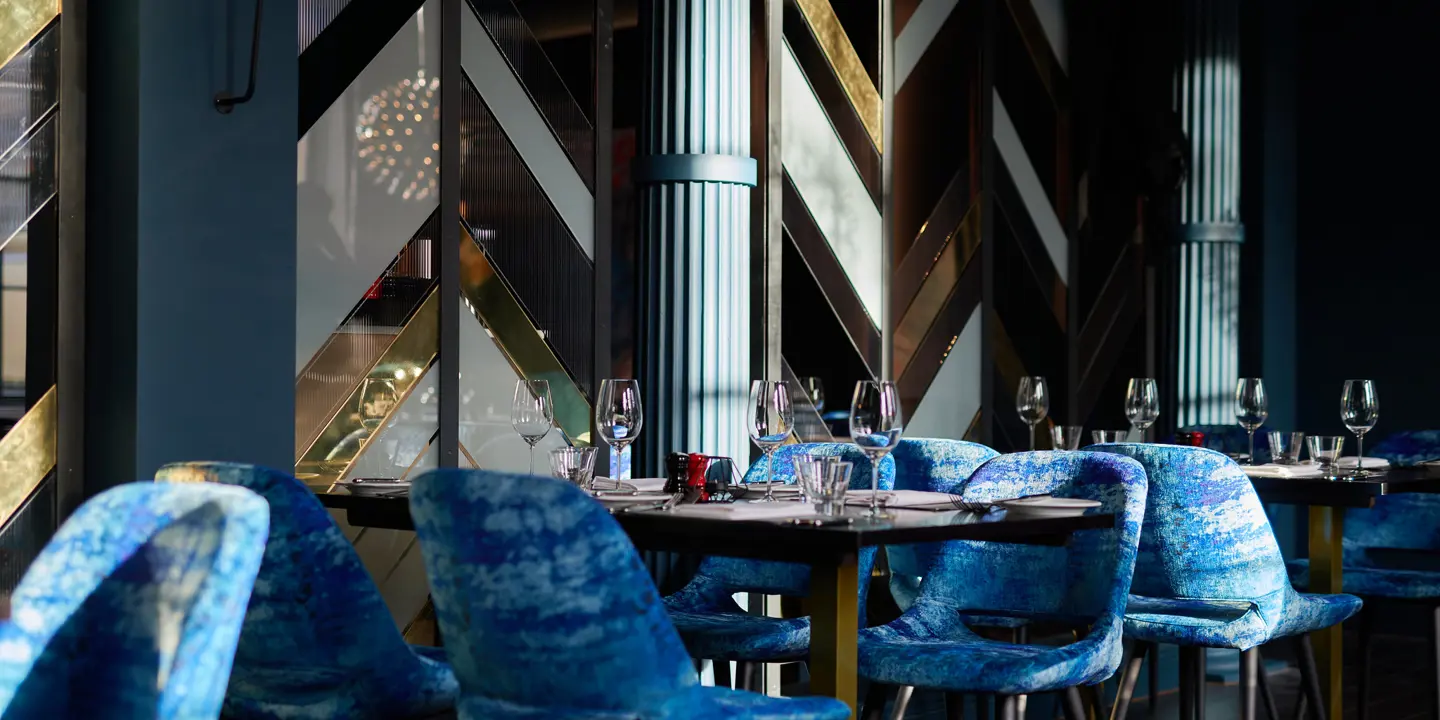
x=904 y=499
x=745 y=510
x=1371 y=463
x=1272 y=470
x=641 y=484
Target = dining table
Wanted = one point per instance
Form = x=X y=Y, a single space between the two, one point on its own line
x=831 y=550
x=1328 y=499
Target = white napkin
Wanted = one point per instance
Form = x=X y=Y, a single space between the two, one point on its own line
x=903 y=499
x=642 y=484
x=1371 y=463
x=1272 y=470
x=745 y=510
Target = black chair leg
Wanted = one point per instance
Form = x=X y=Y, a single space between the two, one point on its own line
x=872 y=707
x=1007 y=707
x=1310 y=677
x=982 y=706
x=1263 y=680
x=954 y=706
x=1073 y=705
x=1365 y=621
x=1435 y=657
x=1154 y=689
x=1200 y=658
x=1187 y=682
x=748 y=675
x=722 y=673
x=1128 y=677
x=1249 y=680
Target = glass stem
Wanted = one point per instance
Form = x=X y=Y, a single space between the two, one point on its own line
x=1032 y=438
x=769 y=473
x=875 y=486
x=1251 y=459
x=532 y=458
x=1360 y=453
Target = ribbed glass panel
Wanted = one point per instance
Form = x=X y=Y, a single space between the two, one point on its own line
x=542 y=81
x=27 y=179
x=29 y=87
x=26 y=534
x=524 y=237
x=694 y=367
x=315 y=16
x=1209 y=338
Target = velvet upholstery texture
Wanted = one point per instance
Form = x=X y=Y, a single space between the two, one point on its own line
x=1408 y=521
x=548 y=612
x=931 y=465
x=134 y=607
x=710 y=622
x=318 y=638
x=1088 y=579
x=1210 y=573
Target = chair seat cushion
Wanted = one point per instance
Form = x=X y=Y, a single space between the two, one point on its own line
x=699 y=703
x=735 y=635
x=1237 y=624
x=297 y=692
x=1377 y=582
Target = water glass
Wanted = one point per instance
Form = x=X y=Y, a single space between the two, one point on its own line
x=1066 y=437
x=876 y=425
x=825 y=481
x=1285 y=447
x=1142 y=404
x=1251 y=408
x=1032 y=403
x=771 y=420
x=575 y=465
x=1109 y=436
x=1325 y=450
x=1359 y=410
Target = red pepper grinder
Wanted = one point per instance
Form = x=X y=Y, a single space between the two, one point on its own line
x=695 y=481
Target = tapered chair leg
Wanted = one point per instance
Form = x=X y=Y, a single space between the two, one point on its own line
x=1249 y=680
x=1187 y=683
x=722 y=673
x=1263 y=680
x=873 y=706
x=902 y=702
x=1074 y=706
x=1310 y=677
x=1128 y=677
x=746 y=676
x=1007 y=707
x=1154 y=689
x=1200 y=658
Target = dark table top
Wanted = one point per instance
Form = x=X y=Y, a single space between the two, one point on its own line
x=778 y=539
x=1347 y=492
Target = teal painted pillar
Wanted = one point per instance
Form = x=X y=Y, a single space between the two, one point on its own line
x=694 y=174
x=1207 y=98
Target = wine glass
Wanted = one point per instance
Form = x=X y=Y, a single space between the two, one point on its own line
x=1142 y=404
x=378 y=396
x=1032 y=401
x=1251 y=409
x=531 y=413
x=816 y=391
x=771 y=420
x=618 y=415
x=1359 y=410
x=876 y=425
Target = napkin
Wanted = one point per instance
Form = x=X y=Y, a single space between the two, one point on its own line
x=745 y=510
x=904 y=499
x=1371 y=463
x=641 y=484
x=1272 y=470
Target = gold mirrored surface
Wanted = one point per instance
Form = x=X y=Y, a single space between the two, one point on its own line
x=847 y=66
x=27 y=454
x=522 y=344
x=374 y=399
x=21 y=21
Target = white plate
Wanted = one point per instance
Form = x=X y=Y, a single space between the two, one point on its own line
x=1047 y=507
x=375 y=486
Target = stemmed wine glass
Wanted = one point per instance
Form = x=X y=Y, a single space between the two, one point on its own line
x=531 y=413
x=618 y=416
x=1032 y=401
x=1359 y=410
x=1251 y=409
x=876 y=425
x=1142 y=404
x=378 y=396
x=771 y=420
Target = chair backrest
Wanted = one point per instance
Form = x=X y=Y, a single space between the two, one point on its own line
x=931 y=465
x=1407 y=520
x=134 y=607
x=1206 y=533
x=1087 y=578
x=541 y=597
x=315 y=608
x=792 y=579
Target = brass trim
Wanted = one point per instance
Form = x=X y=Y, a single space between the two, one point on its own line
x=935 y=289
x=27 y=454
x=21 y=22
x=423 y=629
x=847 y=66
x=468 y=457
x=344 y=439
x=487 y=296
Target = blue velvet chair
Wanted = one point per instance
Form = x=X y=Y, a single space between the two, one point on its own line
x=133 y=609
x=931 y=465
x=318 y=639
x=1084 y=582
x=714 y=627
x=548 y=611
x=1392 y=550
x=1210 y=574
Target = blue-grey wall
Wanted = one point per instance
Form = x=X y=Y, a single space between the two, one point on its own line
x=190 y=237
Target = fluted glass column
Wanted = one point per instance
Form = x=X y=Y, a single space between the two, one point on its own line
x=694 y=173
x=1207 y=98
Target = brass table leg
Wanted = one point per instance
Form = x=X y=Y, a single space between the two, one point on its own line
x=1327 y=528
x=834 y=618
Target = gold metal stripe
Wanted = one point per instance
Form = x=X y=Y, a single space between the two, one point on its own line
x=21 y=21
x=27 y=454
x=471 y=458
x=344 y=438
x=936 y=287
x=1007 y=360
x=1037 y=44
x=847 y=66
x=518 y=339
x=972 y=431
